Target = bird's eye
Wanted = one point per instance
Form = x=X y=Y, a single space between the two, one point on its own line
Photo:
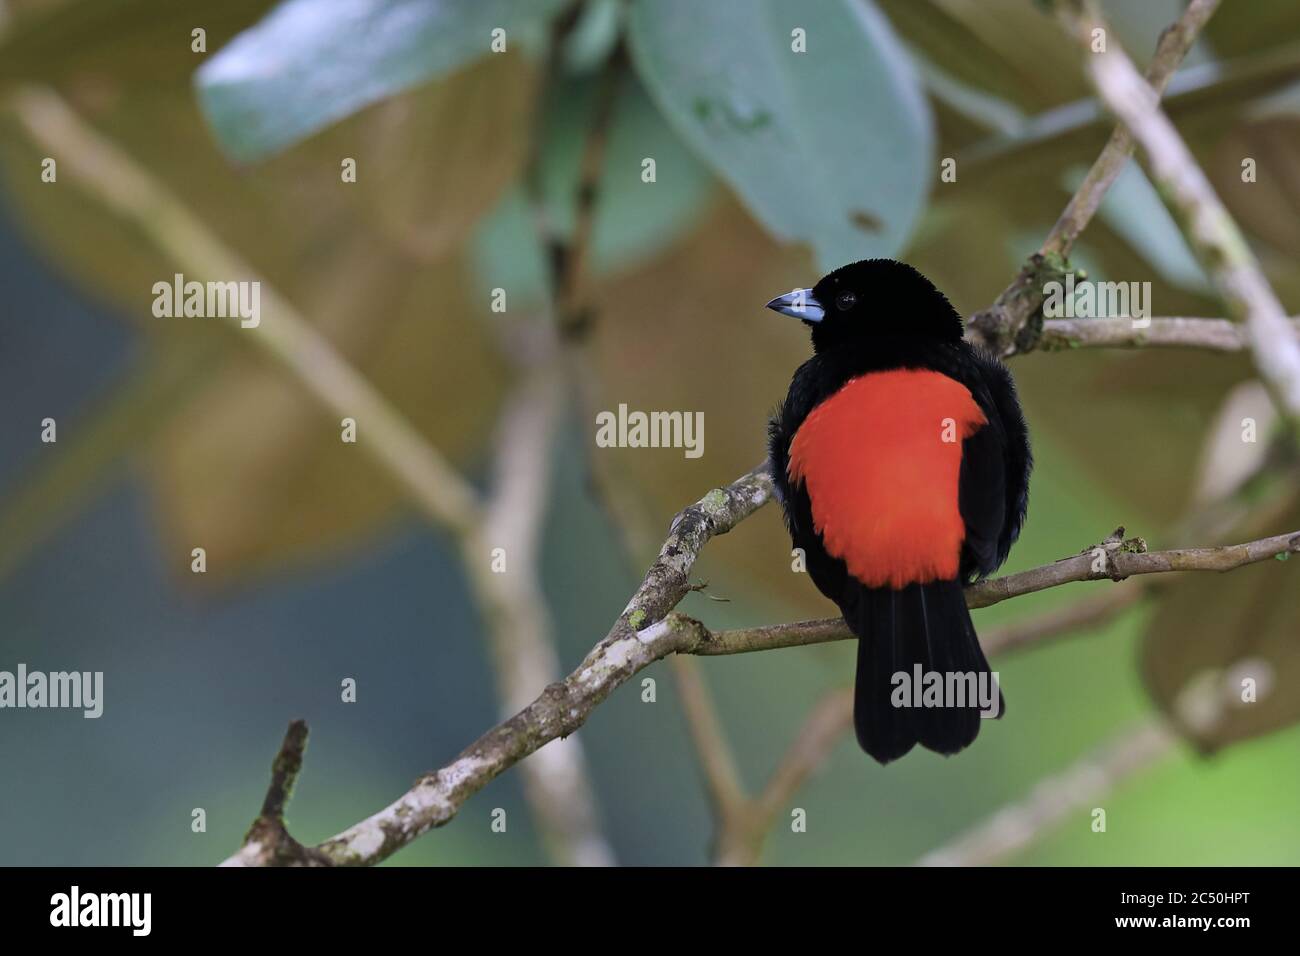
x=845 y=301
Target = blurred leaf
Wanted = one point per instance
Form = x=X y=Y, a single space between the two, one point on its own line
x=1202 y=101
x=1132 y=207
x=369 y=261
x=1227 y=462
x=255 y=472
x=1007 y=48
x=680 y=351
x=413 y=191
x=1269 y=207
x=1253 y=27
x=832 y=147
x=633 y=219
x=432 y=162
x=313 y=62
x=1101 y=407
x=1133 y=420
x=90 y=42
x=1208 y=636
x=982 y=110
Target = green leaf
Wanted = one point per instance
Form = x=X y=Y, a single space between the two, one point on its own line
x=312 y=62
x=833 y=146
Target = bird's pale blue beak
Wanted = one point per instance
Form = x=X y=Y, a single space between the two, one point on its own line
x=800 y=304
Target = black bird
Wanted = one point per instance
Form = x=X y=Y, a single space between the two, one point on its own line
x=901 y=458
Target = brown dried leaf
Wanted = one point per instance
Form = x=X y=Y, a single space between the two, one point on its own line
x=1210 y=634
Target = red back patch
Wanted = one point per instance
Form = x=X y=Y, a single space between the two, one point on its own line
x=880 y=460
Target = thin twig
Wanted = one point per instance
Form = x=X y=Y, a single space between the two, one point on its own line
x=1172 y=47
x=1080 y=787
x=1206 y=222
x=267 y=842
x=564 y=706
x=742 y=823
x=1218 y=335
x=1011 y=323
x=522 y=640
x=285 y=770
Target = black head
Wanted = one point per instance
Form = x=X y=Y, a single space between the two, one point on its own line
x=871 y=299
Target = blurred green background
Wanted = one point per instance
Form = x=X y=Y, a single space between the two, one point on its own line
x=174 y=433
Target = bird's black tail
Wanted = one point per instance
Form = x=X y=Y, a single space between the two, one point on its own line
x=903 y=637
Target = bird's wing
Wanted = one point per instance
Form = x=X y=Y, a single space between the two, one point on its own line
x=827 y=572
x=994 y=483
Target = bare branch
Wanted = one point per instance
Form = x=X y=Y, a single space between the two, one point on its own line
x=564 y=706
x=285 y=770
x=520 y=626
x=1172 y=47
x=1219 y=335
x=732 y=808
x=1120 y=563
x=267 y=842
x=1208 y=226
x=518 y=621
x=1109 y=561
x=1007 y=326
